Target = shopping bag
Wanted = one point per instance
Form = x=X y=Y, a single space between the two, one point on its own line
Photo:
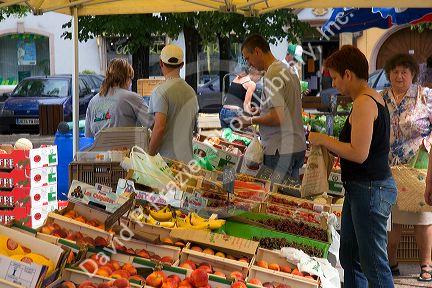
x=318 y=167
x=151 y=171
x=253 y=157
x=420 y=159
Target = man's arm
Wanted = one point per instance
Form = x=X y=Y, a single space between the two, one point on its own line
x=274 y=117
x=158 y=132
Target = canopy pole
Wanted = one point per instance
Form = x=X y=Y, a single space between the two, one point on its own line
x=75 y=83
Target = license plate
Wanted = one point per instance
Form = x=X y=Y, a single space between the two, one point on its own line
x=27 y=121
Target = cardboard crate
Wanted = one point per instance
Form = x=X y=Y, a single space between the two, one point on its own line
x=295 y=202
x=28 y=177
x=266 y=275
x=272 y=257
x=75 y=226
x=145 y=86
x=28 y=197
x=78 y=277
x=39 y=214
x=31 y=275
x=28 y=159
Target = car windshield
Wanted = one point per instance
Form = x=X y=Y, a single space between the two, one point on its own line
x=42 y=88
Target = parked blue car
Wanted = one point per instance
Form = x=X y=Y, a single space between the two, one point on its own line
x=20 y=112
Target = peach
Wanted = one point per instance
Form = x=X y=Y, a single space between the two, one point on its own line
x=185 y=284
x=175 y=278
x=243 y=259
x=238 y=284
x=77 y=235
x=237 y=275
x=167 y=259
x=220 y=254
x=121 y=283
x=285 y=268
x=220 y=274
x=47 y=229
x=155 y=279
x=197 y=248
x=130 y=268
x=208 y=251
x=295 y=271
x=206 y=269
x=115 y=264
x=143 y=253
x=122 y=273
x=89 y=266
x=59 y=233
x=104 y=271
x=274 y=266
x=87 y=284
x=230 y=257
x=262 y=264
x=68 y=284
x=80 y=219
x=255 y=281
x=186 y=265
x=179 y=244
x=170 y=283
x=100 y=242
x=199 y=278
x=155 y=257
x=130 y=251
x=104 y=285
x=167 y=241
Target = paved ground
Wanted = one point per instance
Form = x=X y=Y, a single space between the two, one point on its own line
x=410 y=272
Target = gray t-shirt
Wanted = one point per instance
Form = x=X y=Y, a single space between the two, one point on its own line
x=119 y=108
x=282 y=89
x=178 y=101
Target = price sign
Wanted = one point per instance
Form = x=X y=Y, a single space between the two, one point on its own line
x=228 y=178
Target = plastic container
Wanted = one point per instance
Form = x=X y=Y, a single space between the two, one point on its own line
x=99 y=156
x=64 y=150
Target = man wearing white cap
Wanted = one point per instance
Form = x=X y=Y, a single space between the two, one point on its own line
x=175 y=106
x=294 y=56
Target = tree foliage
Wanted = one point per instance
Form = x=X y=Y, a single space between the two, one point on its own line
x=14 y=10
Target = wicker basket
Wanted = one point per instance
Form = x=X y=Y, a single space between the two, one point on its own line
x=106 y=174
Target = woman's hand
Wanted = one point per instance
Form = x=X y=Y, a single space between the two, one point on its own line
x=317 y=138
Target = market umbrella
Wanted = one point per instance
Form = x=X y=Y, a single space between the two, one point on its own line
x=358 y=19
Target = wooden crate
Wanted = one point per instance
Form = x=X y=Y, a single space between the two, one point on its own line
x=208 y=122
x=407 y=250
x=49 y=118
x=146 y=86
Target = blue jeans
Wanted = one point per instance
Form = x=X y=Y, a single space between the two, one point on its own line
x=287 y=165
x=226 y=115
x=363 y=247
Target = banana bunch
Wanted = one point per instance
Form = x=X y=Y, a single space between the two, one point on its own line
x=174 y=218
x=194 y=221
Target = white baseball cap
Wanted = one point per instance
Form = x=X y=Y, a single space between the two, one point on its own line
x=172 y=54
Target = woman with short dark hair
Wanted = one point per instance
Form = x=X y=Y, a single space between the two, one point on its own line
x=411 y=114
x=370 y=190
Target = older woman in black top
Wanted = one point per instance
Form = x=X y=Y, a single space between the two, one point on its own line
x=370 y=189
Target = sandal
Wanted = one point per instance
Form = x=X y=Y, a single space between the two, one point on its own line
x=423 y=271
x=395 y=270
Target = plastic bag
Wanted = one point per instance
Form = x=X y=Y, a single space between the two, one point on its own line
x=254 y=154
x=318 y=167
x=420 y=159
x=150 y=171
x=320 y=267
x=228 y=135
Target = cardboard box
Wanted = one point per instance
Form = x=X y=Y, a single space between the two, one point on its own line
x=295 y=202
x=100 y=195
x=220 y=264
x=75 y=226
x=335 y=184
x=232 y=245
x=78 y=277
x=38 y=215
x=28 y=197
x=28 y=178
x=219 y=158
x=54 y=253
x=266 y=275
x=28 y=159
x=20 y=214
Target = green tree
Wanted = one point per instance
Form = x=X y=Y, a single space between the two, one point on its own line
x=137 y=29
x=14 y=10
x=225 y=28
